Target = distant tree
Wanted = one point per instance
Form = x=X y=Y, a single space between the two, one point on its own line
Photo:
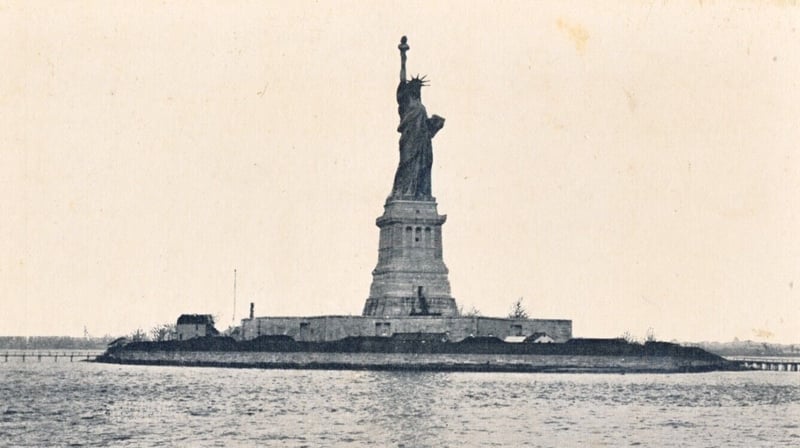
x=518 y=311
x=472 y=312
x=162 y=332
x=629 y=337
x=232 y=331
x=651 y=335
x=138 y=335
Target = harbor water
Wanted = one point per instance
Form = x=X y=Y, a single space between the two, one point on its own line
x=62 y=403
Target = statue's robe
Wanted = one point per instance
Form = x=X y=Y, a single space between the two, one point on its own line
x=413 y=177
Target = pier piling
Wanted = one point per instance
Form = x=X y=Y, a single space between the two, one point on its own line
x=775 y=365
x=55 y=355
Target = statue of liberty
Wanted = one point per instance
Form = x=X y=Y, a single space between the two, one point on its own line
x=412 y=181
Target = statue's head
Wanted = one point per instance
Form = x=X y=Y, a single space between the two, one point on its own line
x=415 y=86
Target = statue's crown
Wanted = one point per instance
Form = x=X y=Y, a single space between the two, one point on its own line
x=422 y=81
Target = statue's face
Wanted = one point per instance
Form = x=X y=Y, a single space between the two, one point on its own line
x=415 y=89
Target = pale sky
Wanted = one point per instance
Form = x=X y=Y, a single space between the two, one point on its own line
x=627 y=165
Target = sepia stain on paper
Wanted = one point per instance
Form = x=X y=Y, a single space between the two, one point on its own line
x=785 y=3
x=761 y=333
x=778 y=3
x=576 y=33
x=736 y=213
x=631 y=100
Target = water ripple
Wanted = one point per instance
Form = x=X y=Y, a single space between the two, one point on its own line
x=83 y=404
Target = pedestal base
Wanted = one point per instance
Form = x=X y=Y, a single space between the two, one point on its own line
x=409 y=306
x=411 y=277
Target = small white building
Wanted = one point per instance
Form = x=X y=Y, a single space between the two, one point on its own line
x=540 y=338
x=514 y=339
x=191 y=326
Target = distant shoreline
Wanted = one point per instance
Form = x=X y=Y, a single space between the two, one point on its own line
x=54 y=343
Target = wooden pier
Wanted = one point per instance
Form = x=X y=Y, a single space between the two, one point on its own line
x=55 y=355
x=774 y=364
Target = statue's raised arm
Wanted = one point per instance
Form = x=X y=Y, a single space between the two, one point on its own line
x=412 y=181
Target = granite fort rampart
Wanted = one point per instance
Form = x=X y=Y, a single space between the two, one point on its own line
x=332 y=328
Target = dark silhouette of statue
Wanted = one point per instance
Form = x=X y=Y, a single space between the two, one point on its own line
x=412 y=181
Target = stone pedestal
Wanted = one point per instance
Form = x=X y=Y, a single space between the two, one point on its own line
x=411 y=277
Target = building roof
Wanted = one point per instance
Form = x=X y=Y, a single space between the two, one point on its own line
x=195 y=319
x=118 y=341
x=536 y=336
x=514 y=339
